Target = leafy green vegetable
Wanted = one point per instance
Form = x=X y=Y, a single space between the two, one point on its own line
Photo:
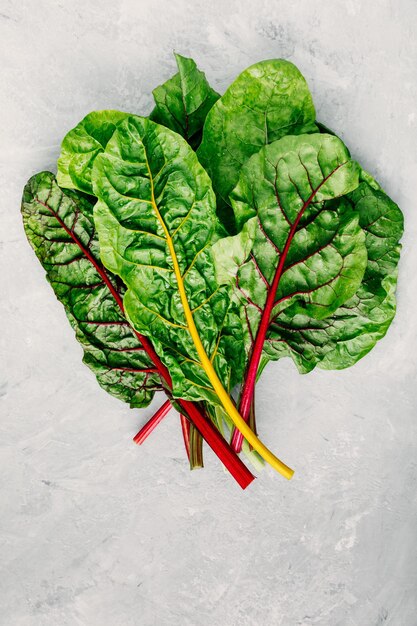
x=81 y=146
x=182 y=103
x=61 y=231
x=266 y=102
x=156 y=220
x=307 y=253
x=172 y=303
x=344 y=337
x=60 y=228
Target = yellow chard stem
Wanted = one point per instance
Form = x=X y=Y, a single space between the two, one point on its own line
x=222 y=394
x=225 y=399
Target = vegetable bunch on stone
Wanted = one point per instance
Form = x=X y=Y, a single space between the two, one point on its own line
x=191 y=247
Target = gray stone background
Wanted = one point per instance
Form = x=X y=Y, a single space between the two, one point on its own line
x=95 y=531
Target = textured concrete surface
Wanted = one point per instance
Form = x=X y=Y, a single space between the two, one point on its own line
x=95 y=531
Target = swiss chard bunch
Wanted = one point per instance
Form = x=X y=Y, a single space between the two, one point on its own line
x=191 y=247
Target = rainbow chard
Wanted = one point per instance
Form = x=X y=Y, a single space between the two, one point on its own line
x=60 y=228
x=188 y=271
x=89 y=138
x=319 y=284
x=307 y=253
x=156 y=221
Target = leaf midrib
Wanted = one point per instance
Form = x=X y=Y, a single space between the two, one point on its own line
x=253 y=365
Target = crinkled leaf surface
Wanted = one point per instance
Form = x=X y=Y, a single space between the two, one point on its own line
x=81 y=146
x=353 y=329
x=267 y=101
x=156 y=221
x=306 y=254
x=60 y=228
x=306 y=251
x=183 y=101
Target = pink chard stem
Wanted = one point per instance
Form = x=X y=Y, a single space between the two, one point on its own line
x=146 y=430
x=252 y=369
x=185 y=427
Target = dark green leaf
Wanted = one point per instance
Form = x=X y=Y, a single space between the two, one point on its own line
x=352 y=330
x=306 y=254
x=182 y=103
x=156 y=221
x=267 y=101
x=60 y=229
x=289 y=188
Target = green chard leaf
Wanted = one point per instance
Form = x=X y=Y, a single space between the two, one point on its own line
x=288 y=190
x=307 y=254
x=81 y=146
x=353 y=329
x=266 y=102
x=156 y=221
x=59 y=226
x=182 y=102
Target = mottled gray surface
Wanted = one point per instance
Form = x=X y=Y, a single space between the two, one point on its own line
x=95 y=531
